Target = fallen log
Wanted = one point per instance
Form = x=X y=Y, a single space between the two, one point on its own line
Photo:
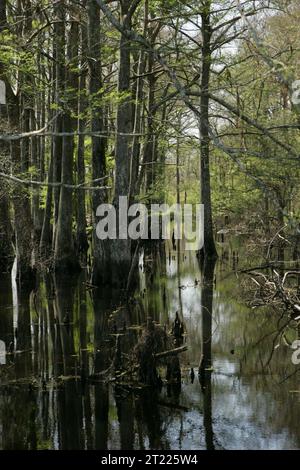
x=171 y=352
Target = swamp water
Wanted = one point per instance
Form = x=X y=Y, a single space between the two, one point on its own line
x=57 y=389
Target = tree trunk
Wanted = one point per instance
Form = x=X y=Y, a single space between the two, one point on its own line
x=209 y=248
x=6 y=248
x=37 y=155
x=81 y=237
x=46 y=241
x=121 y=248
x=178 y=162
x=138 y=112
x=21 y=201
x=59 y=78
x=148 y=153
x=136 y=145
x=100 y=266
x=64 y=256
x=6 y=252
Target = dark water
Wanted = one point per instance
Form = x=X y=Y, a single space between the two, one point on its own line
x=56 y=382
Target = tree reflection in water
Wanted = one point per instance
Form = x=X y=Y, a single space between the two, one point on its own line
x=205 y=366
x=55 y=388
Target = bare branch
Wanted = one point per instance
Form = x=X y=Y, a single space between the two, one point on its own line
x=15 y=179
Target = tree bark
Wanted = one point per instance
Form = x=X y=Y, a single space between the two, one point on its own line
x=59 y=78
x=81 y=236
x=46 y=241
x=21 y=201
x=46 y=237
x=6 y=248
x=6 y=252
x=121 y=248
x=64 y=255
x=209 y=248
x=100 y=261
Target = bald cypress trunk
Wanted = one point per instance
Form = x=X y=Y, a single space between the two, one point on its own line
x=47 y=228
x=6 y=252
x=81 y=236
x=6 y=248
x=100 y=261
x=21 y=204
x=21 y=198
x=59 y=77
x=209 y=248
x=64 y=255
x=121 y=248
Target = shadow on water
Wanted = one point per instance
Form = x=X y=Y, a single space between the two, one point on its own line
x=63 y=343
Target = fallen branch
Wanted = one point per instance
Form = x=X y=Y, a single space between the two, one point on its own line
x=171 y=352
x=272 y=290
x=249 y=270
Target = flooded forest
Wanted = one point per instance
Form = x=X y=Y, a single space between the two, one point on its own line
x=118 y=329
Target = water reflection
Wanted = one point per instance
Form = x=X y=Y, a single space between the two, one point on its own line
x=205 y=366
x=64 y=339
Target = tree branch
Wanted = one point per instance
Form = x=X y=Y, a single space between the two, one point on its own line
x=171 y=352
x=15 y=179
